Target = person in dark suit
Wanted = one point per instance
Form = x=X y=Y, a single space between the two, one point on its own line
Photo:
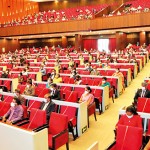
x=142 y=92
x=55 y=93
x=48 y=106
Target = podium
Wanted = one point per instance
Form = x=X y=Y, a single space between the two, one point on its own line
x=15 y=138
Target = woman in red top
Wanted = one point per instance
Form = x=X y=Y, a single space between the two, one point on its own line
x=131 y=118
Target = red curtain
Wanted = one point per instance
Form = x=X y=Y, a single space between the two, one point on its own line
x=112 y=44
x=90 y=43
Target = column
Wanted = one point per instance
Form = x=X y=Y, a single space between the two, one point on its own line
x=78 y=42
x=121 y=40
x=142 y=37
x=64 y=42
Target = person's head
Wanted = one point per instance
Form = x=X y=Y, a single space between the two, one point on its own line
x=47 y=97
x=78 y=78
x=20 y=74
x=57 y=76
x=29 y=83
x=54 y=86
x=17 y=92
x=104 y=79
x=88 y=90
x=117 y=70
x=50 y=80
x=144 y=85
x=130 y=111
x=15 y=102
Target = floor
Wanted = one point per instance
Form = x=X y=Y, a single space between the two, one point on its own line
x=102 y=129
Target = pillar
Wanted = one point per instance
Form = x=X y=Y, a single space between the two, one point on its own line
x=64 y=42
x=121 y=40
x=78 y=42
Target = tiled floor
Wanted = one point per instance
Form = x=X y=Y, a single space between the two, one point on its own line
x=102 y=130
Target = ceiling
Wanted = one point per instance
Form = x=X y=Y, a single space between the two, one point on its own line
x=69 y=34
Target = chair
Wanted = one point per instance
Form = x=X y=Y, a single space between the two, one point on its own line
x=58 y=131
x=71 y=96
x=8 y=98
x=128 y=138
x=7 y=83
x=33 y=104
x=111 y=94
x=91 y=110
x=98 y=99
x=143 y=105
x=36 y=120
x=4 y=107
x=71 y=112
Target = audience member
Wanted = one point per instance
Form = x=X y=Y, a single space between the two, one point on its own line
x=30 y=89
x=48 y=106
x=15 y=113
x=55 y=93
x=19 y=96
x=95 y=71
x=105 y=83
x=78 y=80
x=142 y=92
x=87 y=96
x=131 y=118
x=20 y=78
x=49 y=83
x=57 y=79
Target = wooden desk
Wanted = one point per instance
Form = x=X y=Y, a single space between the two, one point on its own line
x=15 y=138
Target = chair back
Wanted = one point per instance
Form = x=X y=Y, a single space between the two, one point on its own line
x=91 y=109
x=129 y=138
x=4 y=107
x=57 y=123
x=37 y=118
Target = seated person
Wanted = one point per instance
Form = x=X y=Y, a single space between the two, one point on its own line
x=49 y=83
x=88 y=67
x=24 y=72
x=15 y=112
x=20 y=78
x=52 y=74
x=42 y=70
x=142 y=92
x=105 y=83
x=19 y=96
x=4 y=74
x=131 y=118
x=57 y=79
x=118 y=73
x=95 y=71
x=78 y=80
x=106 y=66
x=87 y=96
x=30 y=89
x=71 y=62
x=73 y=73
x=48 y=106
x=55 y=93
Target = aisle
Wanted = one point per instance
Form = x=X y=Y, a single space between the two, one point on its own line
x=102 y=130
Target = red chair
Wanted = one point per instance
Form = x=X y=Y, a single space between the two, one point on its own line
x=98 y=99
x=44 y=92
x=128 y=138
x=8 y=99
x=21 y=88
x=91 y=110
x=4 y=107
x=33 y=104
x=71 y=96
x=58 y=131
x=71 y=112
x=143 y=105
x=36 y=120
x=7 y=83
x=40 y=85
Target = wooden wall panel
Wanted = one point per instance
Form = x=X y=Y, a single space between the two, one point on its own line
x=14 y=9
x=9 y=45
x=133 y=38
